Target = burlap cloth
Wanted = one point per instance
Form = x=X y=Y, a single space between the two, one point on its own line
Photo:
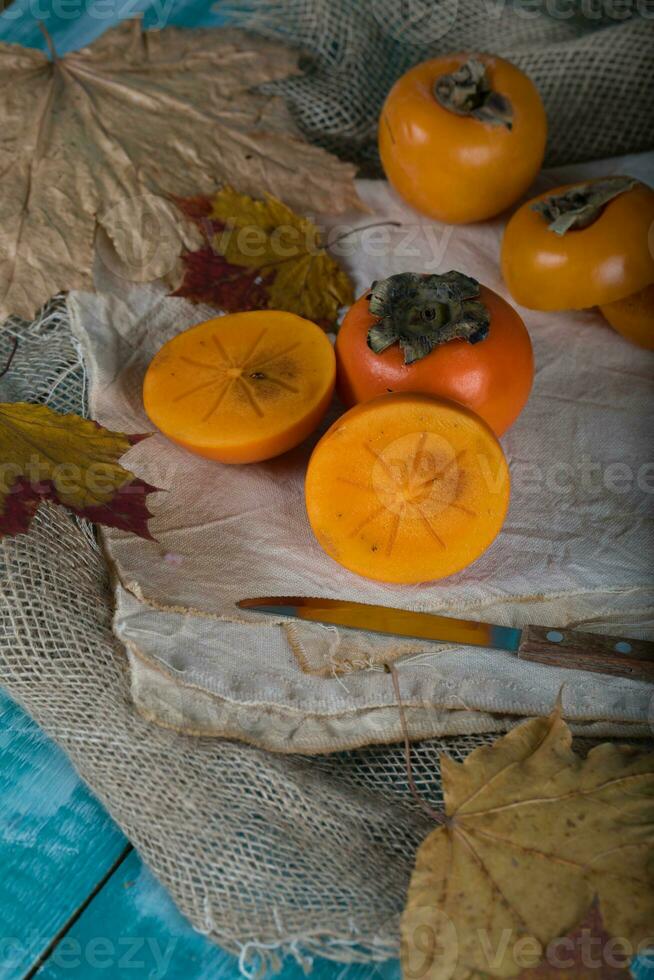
x=270 y=854
x=593 y=64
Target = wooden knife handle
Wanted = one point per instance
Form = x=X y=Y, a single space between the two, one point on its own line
x=588 y=651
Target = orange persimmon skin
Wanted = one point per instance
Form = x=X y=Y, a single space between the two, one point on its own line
x=633 y=317
x=242 y=388
x=492 y=377
x=407 y=488
x=592 y=266
x=456 y=168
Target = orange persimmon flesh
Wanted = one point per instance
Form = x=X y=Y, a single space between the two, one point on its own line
x=407 y=488
x=242 y=388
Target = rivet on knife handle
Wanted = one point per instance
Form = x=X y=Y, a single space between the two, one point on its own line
x=588 y=651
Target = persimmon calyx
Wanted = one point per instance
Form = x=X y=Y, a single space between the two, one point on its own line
x=467 y=92
x=582 y=204
x=422 y=311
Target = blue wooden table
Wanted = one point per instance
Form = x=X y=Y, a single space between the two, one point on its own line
x=76 y=902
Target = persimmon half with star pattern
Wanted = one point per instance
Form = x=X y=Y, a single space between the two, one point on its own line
x=242 y=388
x=407 y=488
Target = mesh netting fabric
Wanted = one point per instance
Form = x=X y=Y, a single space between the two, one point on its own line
x=265 y=854
x=595 y=71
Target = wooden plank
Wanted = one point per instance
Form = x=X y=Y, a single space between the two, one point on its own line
x=56 y=847
x=56 y=841
x=642 y=967
x=131 y=928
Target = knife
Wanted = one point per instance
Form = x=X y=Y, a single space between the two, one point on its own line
x=540 y=644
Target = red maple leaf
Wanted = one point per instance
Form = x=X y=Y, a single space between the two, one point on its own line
x=210 y=278
x=70 y=461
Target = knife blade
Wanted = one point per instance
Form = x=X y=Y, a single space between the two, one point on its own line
x=561 y=647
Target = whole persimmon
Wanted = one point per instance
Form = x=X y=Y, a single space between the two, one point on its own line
x=463 y=136
x=580 y=245
x=633 y=317
x=443 y=335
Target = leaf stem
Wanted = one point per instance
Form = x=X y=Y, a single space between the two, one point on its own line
x=376 y=224
x=54 y=57
x=436 y=815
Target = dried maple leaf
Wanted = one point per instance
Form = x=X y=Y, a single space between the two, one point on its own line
x=68 y=460
x=113 y=131
x=533 y=833
x=281 y=251
x=210 y=278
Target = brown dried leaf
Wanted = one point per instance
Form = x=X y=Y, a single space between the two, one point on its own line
x=117 y=129
x=533 y=834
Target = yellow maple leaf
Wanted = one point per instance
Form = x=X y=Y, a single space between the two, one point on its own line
x=71 y=461
x=268 y=236
x=532 y=834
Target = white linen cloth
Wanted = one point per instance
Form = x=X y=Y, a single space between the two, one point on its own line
x=575 y=550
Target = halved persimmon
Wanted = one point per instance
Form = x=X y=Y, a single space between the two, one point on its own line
x=407 y=488
x=580 y=245
x=443 y=335
x=633 y=317
x=242 y=388
x=463 y=136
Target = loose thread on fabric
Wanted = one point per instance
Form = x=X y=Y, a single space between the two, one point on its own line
x=339 y=680
x=12 y=354
x=436 y=815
